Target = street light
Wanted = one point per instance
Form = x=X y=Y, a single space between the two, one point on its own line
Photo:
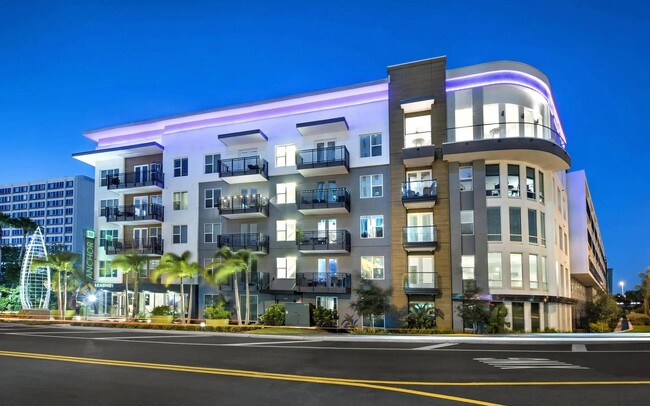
x=90 y=300
x=622 y=284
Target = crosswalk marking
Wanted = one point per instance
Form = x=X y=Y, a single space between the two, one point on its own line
x=579 y=348
x=434 y=346
x=527 y=363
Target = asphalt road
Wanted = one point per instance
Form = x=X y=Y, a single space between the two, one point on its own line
x=58 y=365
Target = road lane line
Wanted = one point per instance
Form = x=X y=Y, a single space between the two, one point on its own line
x=434 y=346
x=271 y=343
x=578 y=348
x=245 y=374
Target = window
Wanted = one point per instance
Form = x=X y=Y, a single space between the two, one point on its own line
x=559 y=236
x=179 y=235
x=530 y=183
x=253 y=314
x=371 y=186
x=532 y=226
x=467 y=264
x=421 y=271
x=210 y=231
x=566 y=244
x=328 y=302
x=515 y=224
x=513 y=180
x=180 y=167
x=465 y=177
x=494 y=224
x=285 y=155
x=372 y=226
x=540 y=174
x=516 y=280
x=532 y=270
x=492 y=182
x=104 y=173
x=104 y=203
x=372 y=267
x=491 y=128
x=327 y=266
x=544 y=274
x=180 y=201
x=286 y=230
x=211 y=163
x=467 y=222
x=542 y=227
x=464 y=130
x=286 y=193
x=417 y=129
x=211 y=198
x=495 y=276
x=370 y=145
x=106 y=270
x=106 y=237
x=286 y=268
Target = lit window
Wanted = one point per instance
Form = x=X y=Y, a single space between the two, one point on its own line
x=532 y=269
x=370 y=145
x=106 y=270
x=286 y=193
x=286 y=230
x=372 y=226
x=372 y=267
x=286 y=268
x=467 y=264
x=467 y=222
x=371 y=186
x=328 y=302
x=181 y=201
x=516 y=277
x=285 y=155
x=495 y=276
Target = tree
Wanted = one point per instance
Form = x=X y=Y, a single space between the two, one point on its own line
x=10 y=273
x=228 y=263
x=473 y=310
x=61 y=264
x=131 y=263
x=27 y=225
x=423 y=316
x=5 y=220
x=181 y=267
x=644 y=289
x=603 y=310
x=371 y=300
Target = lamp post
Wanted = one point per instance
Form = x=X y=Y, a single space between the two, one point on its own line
x=622 y=284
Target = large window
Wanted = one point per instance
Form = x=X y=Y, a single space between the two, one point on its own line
x=104 y=203
x=464 y=130
x=285 y=155
x=286 y=193
x=210 y=232
x=328 y=302
x=541 y=186
x=494 y=224
x=532 y=226
x=417 y=129
x=286 y=230
x=180 y=167
x=491 y=126
x=106 y=270
x=544 y=274
x=371 y=186
x=211 y=198
x=542 y=227
x=106 y=237
x=286 y=268
x=372 y=226
x=530 y=183
x=421 y=271
x=533 y=272
x=467 y=264
x=513 y=180
x=370 y=145
x=372 y=267
x=467 y=222
x=465 y=175
x=179 y=235
x=212 y=163
x=495 y=275
x=327 y=266
x=516 y=276
x=104 y=173
x=515 y=224
x=492 y=182
x=180 y=200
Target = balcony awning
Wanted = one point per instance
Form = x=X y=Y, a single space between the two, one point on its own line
x=322 y=127
x=243 y=137
x=417 y=104
x=92 y=157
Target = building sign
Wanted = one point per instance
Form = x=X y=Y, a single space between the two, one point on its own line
x=103 y=285
x=89 y=255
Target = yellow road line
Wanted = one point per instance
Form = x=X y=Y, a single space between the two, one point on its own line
x=240 y=373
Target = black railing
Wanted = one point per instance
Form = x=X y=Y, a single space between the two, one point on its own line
x=244 y=204
x=254 y=279
x=509 y=129
x=135 y=212
x=323 y=157
x=420 y=190
x=324 y=282
x=250 y=165
x=324 y=240
x=257 y=242
x=419 y=236
x=421 y=282
x=323 y=198
x=135 y=179
x=151 y=245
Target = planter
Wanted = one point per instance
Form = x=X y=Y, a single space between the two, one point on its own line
x=162 y=319
x=217 y=322
x=69 y=314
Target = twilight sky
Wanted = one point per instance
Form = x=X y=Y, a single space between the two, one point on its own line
x=70 y=66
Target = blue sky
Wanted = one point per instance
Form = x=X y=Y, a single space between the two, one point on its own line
x=70 y=66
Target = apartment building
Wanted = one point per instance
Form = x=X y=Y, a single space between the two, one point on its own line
x=432 y=182
x=62 y=207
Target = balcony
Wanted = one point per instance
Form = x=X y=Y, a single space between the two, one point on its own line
x=135 y=214
x=136 y=182
x=255 y=281
x=421 y=194
x=244 y=207
x=150 y=246
x=323 y=201
x=256 y=242
x=420 y=238
x=323 y=242
x=323 y=282
x=244 y=170
x=419 y=149
x=427 y=283
x=323 y=161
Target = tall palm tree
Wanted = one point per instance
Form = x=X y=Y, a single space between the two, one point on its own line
x=5 y=220
x=178 y=267
x=62 y=264
x=130 y=263
x=228 y=263
x=27 y=225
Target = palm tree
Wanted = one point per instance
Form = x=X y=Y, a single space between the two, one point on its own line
x=178 y=267
x=228 y=263
x=5 y=220
x=27 y=225
x=130 y=263
x=61 y=263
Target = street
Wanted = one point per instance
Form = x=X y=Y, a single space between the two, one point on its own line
x=60 y=365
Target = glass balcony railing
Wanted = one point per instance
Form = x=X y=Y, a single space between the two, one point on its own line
x=419 y=238
x=419 y=190
x=510 y=129
x=419 y=139
x=421 y=282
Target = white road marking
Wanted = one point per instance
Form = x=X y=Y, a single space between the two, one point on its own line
x=271 y=343
x=527 y=363
x=579 y=348
x=434 y=346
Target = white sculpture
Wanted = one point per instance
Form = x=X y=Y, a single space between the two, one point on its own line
x=35 y=283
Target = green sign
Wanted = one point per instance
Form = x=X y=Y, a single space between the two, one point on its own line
x=89 y=255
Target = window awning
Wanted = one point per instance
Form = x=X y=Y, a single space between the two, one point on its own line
x=243 y=137
x=321 y=127
x=92 y=157
x=417 y=104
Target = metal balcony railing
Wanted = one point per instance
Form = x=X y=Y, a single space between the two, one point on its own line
x=256 y=242
x=151 y=245
x=244 y=204
x=323 y=157
x=323 y=198
x=250 y=165
x=135 y=212
x=339 y=240
x=323 y=282
x=135 y=179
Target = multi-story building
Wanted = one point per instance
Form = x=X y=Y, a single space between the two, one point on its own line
x=432 y=182
x=62 y=207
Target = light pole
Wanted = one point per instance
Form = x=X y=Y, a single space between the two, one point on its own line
x=622 y=284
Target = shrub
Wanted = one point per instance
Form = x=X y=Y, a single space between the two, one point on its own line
x=638 y=319
x=599 y=327
x=161 y=311
x=216 y=312
x=325 y=317
x=422 y=316
x=497 y=319
x=274 y=316
x=349 y=321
